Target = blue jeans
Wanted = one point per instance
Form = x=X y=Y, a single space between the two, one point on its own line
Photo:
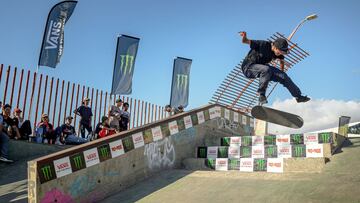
x=4 y=145
x=267 y=73
x=73 y=139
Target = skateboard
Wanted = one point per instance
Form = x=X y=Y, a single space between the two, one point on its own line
x=277 y=117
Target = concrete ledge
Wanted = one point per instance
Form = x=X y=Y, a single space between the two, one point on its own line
x=22 y=150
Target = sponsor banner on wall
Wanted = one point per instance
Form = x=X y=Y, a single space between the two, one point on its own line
x=202 y=152
x=245 y=151
x=257 y=140
x=234 y=152
x=212 y=113
x=243 y=120
x=104 y=152
x=271 y=151
x=62 y=167
x=315 y=150
x=282 y=139
x=246 y=140
x=296 y=139
x=284 y=151
x=223 y=152
x=251 y=122
x=218 y=111
x=236 y=117
x=235 y=141
x=138 y=140
x=311 y=138
x=156 y=133
x=212 y=152
x=91 y=157
x=200 y=116
x=325 y=137
x=246 y=165
x=77 y=162
x=173 y=127
x=257 y=152
x=227 y=114
x=298 y=150
x=221 y=164
x=188 y=122
x=275 y=165
x=270 y=140
x=234 y=164
x=116 y=148
x=260 y=165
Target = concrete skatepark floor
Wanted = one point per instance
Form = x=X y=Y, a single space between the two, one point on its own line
x=339 y=182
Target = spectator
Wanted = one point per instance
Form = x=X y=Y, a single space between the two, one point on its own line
x=85 y=113
x=125 y=117
x=24 y=127
x=103 y=129
x=114 y=114
x=68 y=134
x=173 y=111
x=4 y=142
x=45 y=130
x=8 y=123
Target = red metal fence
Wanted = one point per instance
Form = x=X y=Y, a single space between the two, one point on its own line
x=58 y=98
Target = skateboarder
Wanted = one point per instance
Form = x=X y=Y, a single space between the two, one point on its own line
x=256 y=65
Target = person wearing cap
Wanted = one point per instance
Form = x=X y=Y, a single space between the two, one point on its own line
x=46 y=130
x=4 y=139
x=24 y=126
x=68 y=133
x=115 y=113
x=85 y=112
x=256 y=65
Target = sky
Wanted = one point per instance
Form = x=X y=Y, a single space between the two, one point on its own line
x=204 y=31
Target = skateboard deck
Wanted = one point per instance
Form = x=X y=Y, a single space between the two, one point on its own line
x=277 y=117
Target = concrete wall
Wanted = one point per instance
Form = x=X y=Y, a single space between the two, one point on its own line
x=96 y=182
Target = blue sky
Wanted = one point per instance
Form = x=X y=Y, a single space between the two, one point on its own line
x=205 y=31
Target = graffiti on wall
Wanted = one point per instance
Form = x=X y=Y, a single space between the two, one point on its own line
x=160 y=154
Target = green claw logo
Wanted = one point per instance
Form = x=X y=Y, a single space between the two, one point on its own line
x=104 y=152
x=297 y=138
x=182 y=81
x=261 y=164
x=298 y=151
x=127 y=63
x=202 y=152
x=325 y=137
x=78 y=162
x=246 y=152
x=46 y=170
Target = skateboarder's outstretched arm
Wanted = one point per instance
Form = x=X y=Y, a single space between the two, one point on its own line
x=245 y=40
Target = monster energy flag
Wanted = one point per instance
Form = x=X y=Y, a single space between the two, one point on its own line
x=180 y=82
x=53 y=41
x=124 y=64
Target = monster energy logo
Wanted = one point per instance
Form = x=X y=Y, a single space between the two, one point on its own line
x=223 y=152
x=226 y=141
x=246 y=152
x=202 y=152
x=233 y=163
x=127 y=143
x=298 y=150
x=269 y=140
x=260 y=164
x=46 y=170
x=246 y=141
x=325 y=137
x=127 y=62
x=78 y=162
x=211 y=163
x=270 y=150
x=297 y=138
x=182 y=81
x=104 y=152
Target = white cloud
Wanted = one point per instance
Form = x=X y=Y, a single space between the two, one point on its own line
x=318 y=114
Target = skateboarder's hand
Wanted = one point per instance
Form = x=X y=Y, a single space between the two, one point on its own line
x=242 y=33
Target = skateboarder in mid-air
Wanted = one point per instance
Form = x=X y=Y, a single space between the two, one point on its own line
x=255 y=65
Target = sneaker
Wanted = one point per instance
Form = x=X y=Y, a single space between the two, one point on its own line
x=3 y=159
x=302 y=99
x=262 y=100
